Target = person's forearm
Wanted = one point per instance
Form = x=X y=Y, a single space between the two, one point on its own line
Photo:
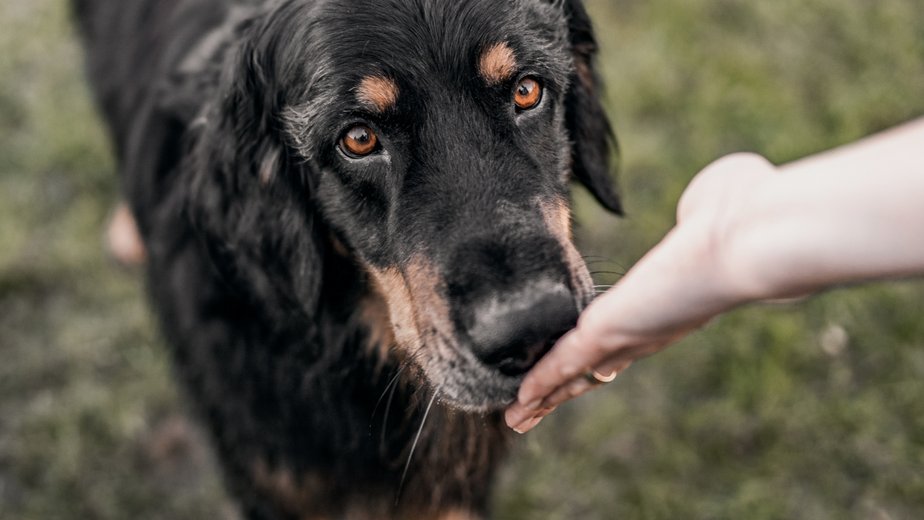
x=852 y=214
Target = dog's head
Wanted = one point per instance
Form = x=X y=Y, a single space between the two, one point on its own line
x=435 y=140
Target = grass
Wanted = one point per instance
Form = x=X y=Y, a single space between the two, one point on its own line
x=808 y=411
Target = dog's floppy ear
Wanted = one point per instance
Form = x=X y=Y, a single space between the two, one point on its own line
x=587 y=123
x=248 y=189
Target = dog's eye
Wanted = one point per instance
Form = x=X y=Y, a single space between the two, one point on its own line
x=359 y=141
x=528 y=94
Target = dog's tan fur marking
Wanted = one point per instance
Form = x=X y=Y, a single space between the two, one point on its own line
x=373 y=311
x=415 y=307
x=497 y=64
x=424 y=281
x=557 y=218
x=390 y=284
x=378 y=92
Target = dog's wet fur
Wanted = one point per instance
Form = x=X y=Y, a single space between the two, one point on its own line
x=294 y=281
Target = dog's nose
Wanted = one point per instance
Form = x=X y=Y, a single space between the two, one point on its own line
x=512 y=333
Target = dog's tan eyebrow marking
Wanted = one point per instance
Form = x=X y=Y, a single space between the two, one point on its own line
x=497 y=64
x=378 y=92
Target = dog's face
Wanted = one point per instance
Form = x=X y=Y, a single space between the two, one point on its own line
x=441 y=135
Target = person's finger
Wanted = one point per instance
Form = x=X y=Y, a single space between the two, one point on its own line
x=574 y=388
x=516 y=414
x=522 y=420
x=591 y=380
x=526 y=425
x=531 y=422
x=520 y=412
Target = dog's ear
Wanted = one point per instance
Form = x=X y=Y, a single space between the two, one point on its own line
x=248 y=188
x=590 y=130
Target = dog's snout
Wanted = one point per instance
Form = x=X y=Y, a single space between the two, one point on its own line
x=512 y=333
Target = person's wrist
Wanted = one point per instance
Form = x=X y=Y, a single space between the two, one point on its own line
x=753 y=243
x=719 y=283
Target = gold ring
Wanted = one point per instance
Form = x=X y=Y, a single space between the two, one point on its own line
x=596 y=378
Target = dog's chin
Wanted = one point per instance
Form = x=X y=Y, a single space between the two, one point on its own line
x=466 y=384
x=482 y=400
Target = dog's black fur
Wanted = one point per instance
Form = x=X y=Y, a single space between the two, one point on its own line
x=273 y=255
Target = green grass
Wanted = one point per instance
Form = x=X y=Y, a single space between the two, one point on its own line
x=808 y=411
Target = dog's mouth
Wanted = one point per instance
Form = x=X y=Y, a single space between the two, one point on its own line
x=472 y=383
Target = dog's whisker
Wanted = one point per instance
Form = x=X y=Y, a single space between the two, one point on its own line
x=391 y=397
x=598 y=260
x=414 y=445
x=385 y=391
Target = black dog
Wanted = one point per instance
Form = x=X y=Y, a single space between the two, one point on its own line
x=354 y=209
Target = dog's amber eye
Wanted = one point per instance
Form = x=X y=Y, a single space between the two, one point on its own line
x=528 y=94
x=359 y=141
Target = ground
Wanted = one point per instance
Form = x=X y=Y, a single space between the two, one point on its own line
x=813 y=410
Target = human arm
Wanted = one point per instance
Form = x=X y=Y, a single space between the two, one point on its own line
x=748 y=231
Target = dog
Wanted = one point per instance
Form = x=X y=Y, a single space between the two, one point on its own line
x=356 y=228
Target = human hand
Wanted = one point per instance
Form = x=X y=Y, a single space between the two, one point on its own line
x=677 y=287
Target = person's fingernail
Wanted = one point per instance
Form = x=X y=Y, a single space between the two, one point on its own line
x=520 y=427
x=527 y=425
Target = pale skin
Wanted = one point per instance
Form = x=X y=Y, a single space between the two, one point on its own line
x=747 y=231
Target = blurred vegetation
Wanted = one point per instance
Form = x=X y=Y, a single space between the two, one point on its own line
x=814 y=410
